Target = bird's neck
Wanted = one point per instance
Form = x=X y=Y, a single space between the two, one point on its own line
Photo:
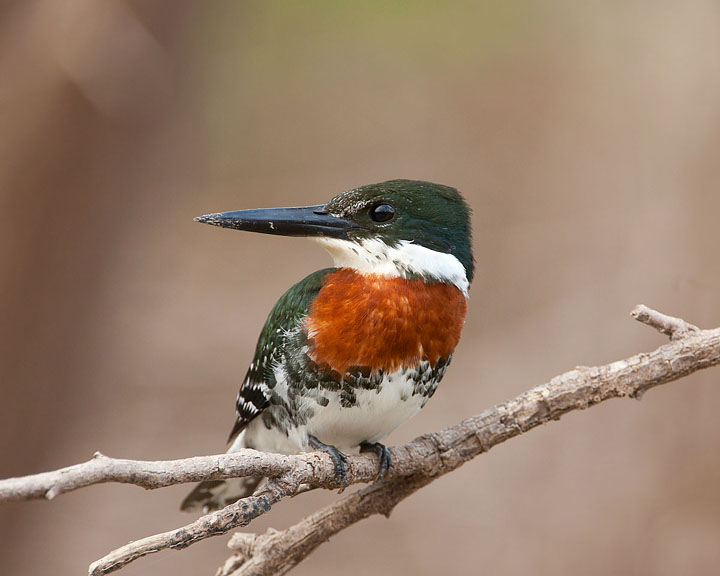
x=404 y=259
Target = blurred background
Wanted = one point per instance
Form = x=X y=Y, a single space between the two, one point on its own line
x=586 y=136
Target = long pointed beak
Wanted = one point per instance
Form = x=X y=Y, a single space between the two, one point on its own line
x=299 y=221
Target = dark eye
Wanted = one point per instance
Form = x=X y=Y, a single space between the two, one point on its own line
x=382 y=213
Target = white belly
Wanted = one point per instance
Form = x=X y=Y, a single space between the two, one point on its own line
x=375 y=415
x=372 y=417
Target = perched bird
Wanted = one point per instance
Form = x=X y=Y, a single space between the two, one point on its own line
x=351 y=352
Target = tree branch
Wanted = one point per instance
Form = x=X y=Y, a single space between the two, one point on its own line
x=239 y=514
x=301 y=468
x=414 y=465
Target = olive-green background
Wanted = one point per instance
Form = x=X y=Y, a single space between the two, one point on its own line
x=586 y=136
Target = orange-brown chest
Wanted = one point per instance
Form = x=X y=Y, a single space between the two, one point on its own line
x=383 y=323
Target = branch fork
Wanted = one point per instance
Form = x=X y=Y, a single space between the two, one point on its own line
x=671 y=326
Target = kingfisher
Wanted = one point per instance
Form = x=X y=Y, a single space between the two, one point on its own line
x=351 y=352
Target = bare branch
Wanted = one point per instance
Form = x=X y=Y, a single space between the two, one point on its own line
x=276 y=552
x=240 y=513
x=302 y=468
x=414 y=465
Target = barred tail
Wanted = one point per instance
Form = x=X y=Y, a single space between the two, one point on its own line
x=216 y=494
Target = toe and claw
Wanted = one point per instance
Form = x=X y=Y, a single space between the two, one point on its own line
x=383 y=455
x=340 y=461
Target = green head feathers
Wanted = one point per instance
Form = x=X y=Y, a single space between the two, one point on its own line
x=431 y=215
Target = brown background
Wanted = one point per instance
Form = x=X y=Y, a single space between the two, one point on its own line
x=586 y=135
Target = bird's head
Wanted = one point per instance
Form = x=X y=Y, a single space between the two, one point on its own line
x=401 y=228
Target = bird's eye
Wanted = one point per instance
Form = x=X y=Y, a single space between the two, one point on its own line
x=382 y=213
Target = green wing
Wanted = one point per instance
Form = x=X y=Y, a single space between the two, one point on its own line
x=284 y=319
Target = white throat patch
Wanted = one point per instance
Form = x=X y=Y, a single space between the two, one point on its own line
x=403 y=260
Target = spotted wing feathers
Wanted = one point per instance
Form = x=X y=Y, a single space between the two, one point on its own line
x=254 y=394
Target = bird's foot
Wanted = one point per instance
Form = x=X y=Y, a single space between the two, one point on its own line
x=383 y=455
x=339 y=460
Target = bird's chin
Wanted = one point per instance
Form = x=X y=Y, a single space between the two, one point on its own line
x=361 y=256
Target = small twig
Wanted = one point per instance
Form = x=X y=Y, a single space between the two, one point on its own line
x=671 y=326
